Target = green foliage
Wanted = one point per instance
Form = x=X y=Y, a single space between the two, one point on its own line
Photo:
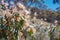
x=57 y=28
x=52 y=32
x=3 y=7
x=10 y=30
x=21 y=24
x=30 y=32
x=16 y=14
x=32 y=37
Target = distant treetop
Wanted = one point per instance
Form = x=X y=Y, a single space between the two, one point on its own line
x=56 y=1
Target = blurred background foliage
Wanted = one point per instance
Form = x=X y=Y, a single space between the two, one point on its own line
x=10 y=27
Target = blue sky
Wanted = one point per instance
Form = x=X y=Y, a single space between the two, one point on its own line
x=51 y=5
